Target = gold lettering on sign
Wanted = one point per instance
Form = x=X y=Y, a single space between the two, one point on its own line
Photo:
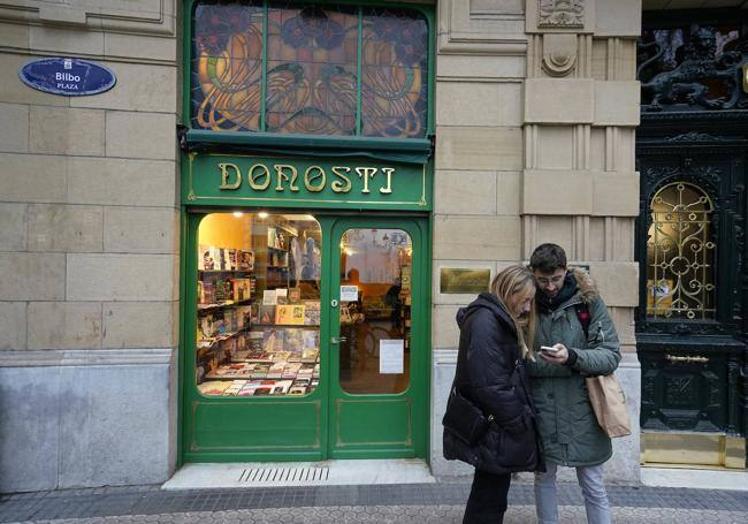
x=342 y=173
x=252 y=178
x=282 y=176
x=310 y=177
x=388 y=173
x=365 y=173
x=228 y=171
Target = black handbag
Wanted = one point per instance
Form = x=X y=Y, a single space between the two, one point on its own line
x=464 y=419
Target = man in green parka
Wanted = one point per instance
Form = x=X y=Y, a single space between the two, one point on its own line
x=580 y=340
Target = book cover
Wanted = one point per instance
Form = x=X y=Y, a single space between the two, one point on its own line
x=311 y=313
x=276 y=370
x=223 y=291
x=208 y=295
x=294 y=295
x=267 y=314
x=254 y=339
x=290 y=371
x=281 y=387
x=245 y=260
x=232 y=265
x=269 y=298
x=272 y=340
x=243 y=317
x=213 y=387
x=297 y=390
x=311 y=338
x=205 y=259
x=310 y=356
x=241 y=289
x=260 y=371
x=290 y=314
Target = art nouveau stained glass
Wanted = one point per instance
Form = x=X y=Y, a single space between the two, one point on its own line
x=394 y=73
x=681 y=254
x=311 y=78
x=227 y=67
x=288 y=68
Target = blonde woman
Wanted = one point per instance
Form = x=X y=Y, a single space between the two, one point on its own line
x=496 y=334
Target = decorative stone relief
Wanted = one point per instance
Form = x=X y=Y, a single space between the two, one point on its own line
x=561 y=14
x=559 y=54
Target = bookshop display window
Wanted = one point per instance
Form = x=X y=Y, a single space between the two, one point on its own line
x=375 y=310
x=258 y=310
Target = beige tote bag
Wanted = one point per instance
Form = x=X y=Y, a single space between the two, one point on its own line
x=609 y=404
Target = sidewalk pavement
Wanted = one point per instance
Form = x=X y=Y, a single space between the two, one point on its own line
x=441 y=502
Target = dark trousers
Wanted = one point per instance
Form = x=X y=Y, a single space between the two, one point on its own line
x=487 y=501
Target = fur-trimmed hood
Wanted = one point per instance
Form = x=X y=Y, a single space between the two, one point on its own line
x=586 y=285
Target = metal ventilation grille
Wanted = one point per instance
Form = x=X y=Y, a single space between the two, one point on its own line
x=283 y=475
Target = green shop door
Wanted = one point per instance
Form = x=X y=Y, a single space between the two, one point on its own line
x=377 y=347
x=305 y=337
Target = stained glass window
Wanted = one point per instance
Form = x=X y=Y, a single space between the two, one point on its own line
x=320 y=70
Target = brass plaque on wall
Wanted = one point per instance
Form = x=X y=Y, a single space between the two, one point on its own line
x=461 y=280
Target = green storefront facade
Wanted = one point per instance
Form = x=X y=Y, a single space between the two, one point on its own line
x=301 y=188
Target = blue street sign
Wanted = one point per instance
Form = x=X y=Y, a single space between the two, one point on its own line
x=67 y=76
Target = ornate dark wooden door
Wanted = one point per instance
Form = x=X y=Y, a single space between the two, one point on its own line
x=691 y=322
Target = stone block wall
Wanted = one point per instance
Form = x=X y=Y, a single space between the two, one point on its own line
x=89 y=249
x=537 y=105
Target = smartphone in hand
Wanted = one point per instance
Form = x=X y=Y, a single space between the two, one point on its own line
x=549 y=349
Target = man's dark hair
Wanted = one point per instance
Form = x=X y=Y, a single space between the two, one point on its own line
x=547 y=258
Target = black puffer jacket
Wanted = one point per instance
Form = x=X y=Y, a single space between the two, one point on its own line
x=491 y=373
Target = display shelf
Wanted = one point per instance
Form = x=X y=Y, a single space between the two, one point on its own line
x=211 y=271
x=203 y=308
x=221 y=337
x=278 y=249
x=265 y=324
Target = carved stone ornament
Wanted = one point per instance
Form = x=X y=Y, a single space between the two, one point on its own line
x=559 y=54
x=561 y=13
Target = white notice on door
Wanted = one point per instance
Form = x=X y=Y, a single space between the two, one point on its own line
x=391 y=356
x=348 y=293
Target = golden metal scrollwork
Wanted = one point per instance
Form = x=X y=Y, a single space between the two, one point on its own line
x=680 y=254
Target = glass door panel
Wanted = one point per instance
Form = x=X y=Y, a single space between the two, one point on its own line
x=374 y=310
x=378 y=389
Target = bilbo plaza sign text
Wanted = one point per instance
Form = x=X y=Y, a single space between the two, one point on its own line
x=302 y=182
x=67 y=76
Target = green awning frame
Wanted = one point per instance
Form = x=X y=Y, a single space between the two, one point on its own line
x=408 y=151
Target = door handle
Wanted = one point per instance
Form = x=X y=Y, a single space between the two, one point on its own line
x=687 y=360
x=338 y=340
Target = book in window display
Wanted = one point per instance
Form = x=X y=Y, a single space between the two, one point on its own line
x=311 y=313
x=273 y=340
x=241 y=289
x=245 y=260
x=289 y=315
x=267 y=314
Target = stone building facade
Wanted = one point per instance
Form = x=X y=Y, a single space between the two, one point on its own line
x=536 y=107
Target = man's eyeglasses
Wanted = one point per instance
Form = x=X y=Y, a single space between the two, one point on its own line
x=556 y=281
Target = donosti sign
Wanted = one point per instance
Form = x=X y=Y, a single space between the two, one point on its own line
x=290 y=182
x=314 y=178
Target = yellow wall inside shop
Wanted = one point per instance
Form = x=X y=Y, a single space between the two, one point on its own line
x=226 y=230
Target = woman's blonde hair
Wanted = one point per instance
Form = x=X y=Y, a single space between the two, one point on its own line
x=507 y=283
